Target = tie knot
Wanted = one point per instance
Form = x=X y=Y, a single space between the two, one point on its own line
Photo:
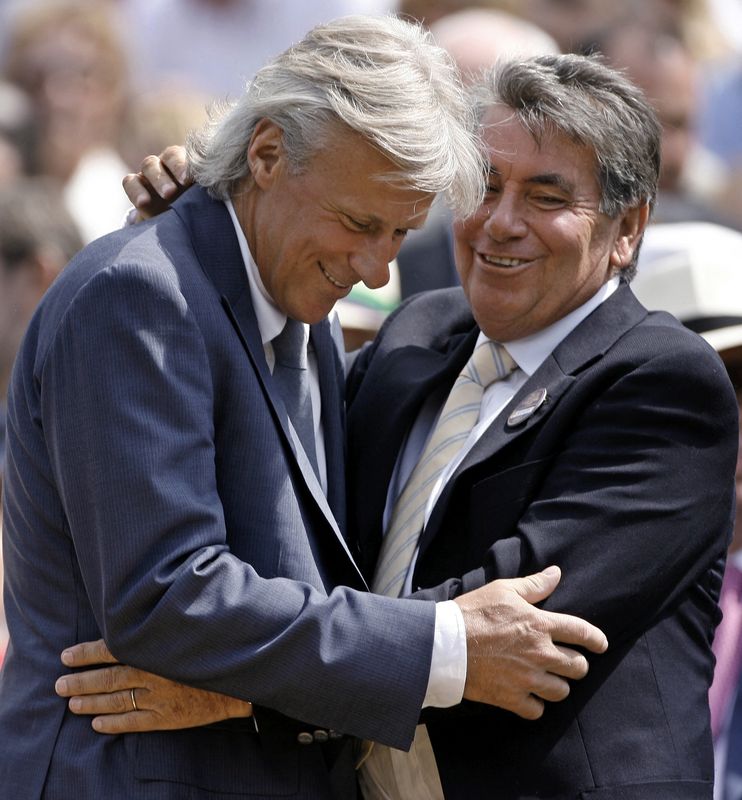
x=290 y=346
x=489 y=362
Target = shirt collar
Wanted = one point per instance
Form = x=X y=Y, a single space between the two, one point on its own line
x=271 y=320
x=531 y=351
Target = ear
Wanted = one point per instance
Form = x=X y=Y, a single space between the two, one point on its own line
x=630 y=232
x=265 y=153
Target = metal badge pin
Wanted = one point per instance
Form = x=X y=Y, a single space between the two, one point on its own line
x=526 y=408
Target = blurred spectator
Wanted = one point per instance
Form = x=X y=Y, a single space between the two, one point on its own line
x=37 y=238
x=691 y=179
x=430 y=11
x=68 y=58
x=164 y=116
x=475 y=38
x=721 y=117
x=573 y=23
x=17 y=133
x=720 y=125
x=695 y=272
x=215 y=46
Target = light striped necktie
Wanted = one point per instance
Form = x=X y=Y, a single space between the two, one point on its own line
x=489 y=362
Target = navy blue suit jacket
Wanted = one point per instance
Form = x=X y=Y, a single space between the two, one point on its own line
x=154 y=497
x=625 y=479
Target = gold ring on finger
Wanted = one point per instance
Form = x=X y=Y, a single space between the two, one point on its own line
x=133 y=699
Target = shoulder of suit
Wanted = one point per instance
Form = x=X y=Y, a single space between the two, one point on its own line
x=426 y=317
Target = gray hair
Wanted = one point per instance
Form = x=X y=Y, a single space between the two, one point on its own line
x=594 y=105
x=382 y=77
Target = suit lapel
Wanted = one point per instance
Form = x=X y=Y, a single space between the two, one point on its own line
x=587 y=343
x=218 y=252
x=330 y=364
x=410 y=375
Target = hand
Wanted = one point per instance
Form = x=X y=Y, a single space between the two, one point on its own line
x=161 y=180
x=513 y=660
x=161 y=704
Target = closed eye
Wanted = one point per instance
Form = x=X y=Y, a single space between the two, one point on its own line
x=355 y=225
x=549 y=201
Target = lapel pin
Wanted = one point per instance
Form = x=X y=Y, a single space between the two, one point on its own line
x=526 y=408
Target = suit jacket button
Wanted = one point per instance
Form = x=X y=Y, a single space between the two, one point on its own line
x=335 y=734
x=321 y=736
x=305 y=738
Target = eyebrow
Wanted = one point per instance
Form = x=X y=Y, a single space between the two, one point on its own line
x=375 y=221
x=546 y=179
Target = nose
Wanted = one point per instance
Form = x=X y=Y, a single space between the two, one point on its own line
x=370 y=261
x=504 y=218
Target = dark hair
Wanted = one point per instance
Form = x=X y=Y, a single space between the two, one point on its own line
x=594 y=105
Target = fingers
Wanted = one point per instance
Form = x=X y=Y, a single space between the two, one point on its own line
x=161 y=180
x=552 y=688
x=138 y=192
x=174 y=160
x=133 y=722
x=159 y=177
x=529 y=707
x=568 y=663
x=86 y=654
x=536 y=587
x=100 y=681
x=114 y=703
x=574 y=630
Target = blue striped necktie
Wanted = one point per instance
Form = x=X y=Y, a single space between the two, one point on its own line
x=291 y=374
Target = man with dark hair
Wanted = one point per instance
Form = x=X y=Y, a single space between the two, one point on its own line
x=609 y=449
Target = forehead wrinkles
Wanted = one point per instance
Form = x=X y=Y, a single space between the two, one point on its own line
x=405 y=204
x=564 y=156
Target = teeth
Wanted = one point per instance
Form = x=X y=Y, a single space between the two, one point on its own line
x=332 y=280
x=504 y=262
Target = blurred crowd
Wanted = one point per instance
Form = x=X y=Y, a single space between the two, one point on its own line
x=90 y=87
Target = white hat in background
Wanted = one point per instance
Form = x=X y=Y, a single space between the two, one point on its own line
x=694 y=271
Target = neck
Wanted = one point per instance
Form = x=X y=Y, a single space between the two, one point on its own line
x=243 y=200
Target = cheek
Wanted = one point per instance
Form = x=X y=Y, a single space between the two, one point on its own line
x=463 y=253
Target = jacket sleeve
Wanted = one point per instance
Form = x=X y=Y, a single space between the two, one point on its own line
x=635 y=504
x=127 y=402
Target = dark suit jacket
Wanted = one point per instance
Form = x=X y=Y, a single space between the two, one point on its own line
x=625 y=479
x=154 y=497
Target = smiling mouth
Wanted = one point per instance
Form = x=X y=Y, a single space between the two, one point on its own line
x=334 y=281
x=507 y=263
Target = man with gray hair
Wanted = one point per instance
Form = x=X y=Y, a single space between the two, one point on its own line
x=175 y=479
x=605 y=444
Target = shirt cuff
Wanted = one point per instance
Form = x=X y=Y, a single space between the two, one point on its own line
x=448 y=664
